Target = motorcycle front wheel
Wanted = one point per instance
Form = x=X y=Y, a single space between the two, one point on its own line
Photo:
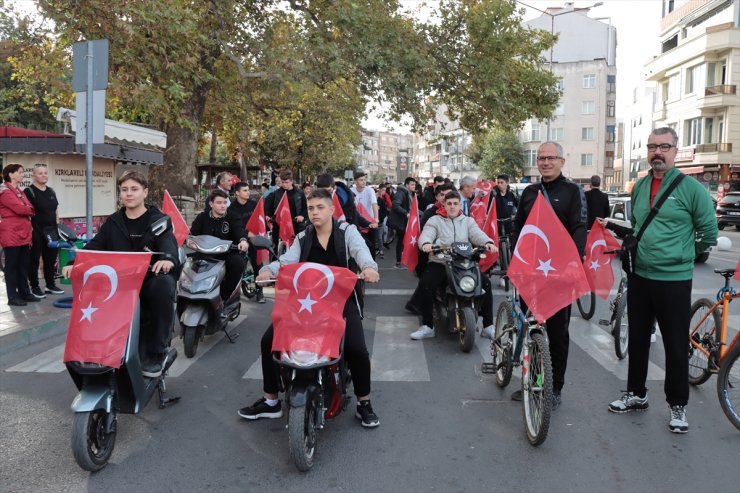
x=92 y=445
x=468 y=320
x=190 y=341
x=302 y=435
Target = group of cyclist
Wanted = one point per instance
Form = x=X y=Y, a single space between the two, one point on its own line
x=323 y=238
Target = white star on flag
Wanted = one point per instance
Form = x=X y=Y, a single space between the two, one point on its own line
x=413 y=241
x=87 y=312
x=307 y=304
x=595 y=265
x=545 y=267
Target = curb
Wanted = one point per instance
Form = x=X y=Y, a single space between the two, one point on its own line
x=31 y=335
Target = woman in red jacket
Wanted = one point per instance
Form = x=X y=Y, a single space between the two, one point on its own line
x=16 y=235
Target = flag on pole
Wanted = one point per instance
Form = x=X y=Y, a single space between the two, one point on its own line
x=410 y=255
x=598 y=265
x=490 y=228
x=285 y=221
x=257 y=226
x=179 y=226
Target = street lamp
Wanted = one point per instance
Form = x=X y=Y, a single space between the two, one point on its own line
x=552 y=32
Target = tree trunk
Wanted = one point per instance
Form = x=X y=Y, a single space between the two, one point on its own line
x=214 y=143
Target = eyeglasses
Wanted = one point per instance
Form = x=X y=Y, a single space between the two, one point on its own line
x=663 y=147
x=549 y=159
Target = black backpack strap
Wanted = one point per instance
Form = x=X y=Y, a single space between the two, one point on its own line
x=654 y=210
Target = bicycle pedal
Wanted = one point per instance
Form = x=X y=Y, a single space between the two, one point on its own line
x=488 y=368
x=604 y=322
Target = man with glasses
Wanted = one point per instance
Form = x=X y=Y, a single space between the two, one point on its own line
x=567 y=200
x=660 y=286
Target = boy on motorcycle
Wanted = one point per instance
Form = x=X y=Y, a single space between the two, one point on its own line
x=219 y=223
x=325 y=241
x=130 y=230
x=448 y=226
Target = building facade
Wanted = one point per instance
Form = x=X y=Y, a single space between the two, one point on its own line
x=584 y=122
x=385 y=156
x=697 y=72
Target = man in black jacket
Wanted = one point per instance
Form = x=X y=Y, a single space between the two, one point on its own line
x=567 y=200
x=226 y=226
x=597 y=202
x=400 y=213
x=296 y=202
x=429 y=196
x=506 y=203
x=130 y=230
x=242 y=208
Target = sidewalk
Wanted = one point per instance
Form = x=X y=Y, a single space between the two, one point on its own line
x=24 y=325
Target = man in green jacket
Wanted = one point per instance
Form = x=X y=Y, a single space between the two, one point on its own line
x=660 y=287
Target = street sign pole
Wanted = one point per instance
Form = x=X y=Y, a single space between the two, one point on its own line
x=89 y=143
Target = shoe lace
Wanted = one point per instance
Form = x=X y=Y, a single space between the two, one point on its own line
x=678 y=412
x=627 y=396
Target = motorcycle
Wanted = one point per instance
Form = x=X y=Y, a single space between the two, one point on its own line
x=456 y=306
x=199 y=306
x=104 y=392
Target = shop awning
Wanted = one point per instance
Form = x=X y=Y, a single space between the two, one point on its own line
x=692 y=170
x=24 y=132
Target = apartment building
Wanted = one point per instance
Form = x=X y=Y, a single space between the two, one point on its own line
x=384 y=155
x=584 y=122
x=442 y=150
x=638 y=126
x=697 y=72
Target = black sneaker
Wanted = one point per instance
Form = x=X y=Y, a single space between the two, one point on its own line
x=16 y=302
x=399 y=265
x=37 y=293
x=365 y=413
x=54 y=289
x=260 y=296
x=261 y=409
x=30 y=297
x=152 y=369
x=556 y=400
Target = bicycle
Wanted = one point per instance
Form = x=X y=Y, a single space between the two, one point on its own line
x=504 y=254
x=587 y=305
x=520 y=341
x=619 y=328
x=709 y=352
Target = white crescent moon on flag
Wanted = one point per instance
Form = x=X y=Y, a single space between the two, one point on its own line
x=413 y=223
x=319 y=267
x=597 y=243
x=529 y=229
x=107 y=271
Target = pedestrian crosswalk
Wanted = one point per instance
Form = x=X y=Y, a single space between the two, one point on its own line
x=394 y=356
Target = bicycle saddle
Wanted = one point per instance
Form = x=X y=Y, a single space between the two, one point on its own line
x=726 y=273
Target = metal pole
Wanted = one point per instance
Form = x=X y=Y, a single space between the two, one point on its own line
x=552 y=32
x=89 y=143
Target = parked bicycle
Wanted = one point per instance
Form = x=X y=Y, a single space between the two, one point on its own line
x=708 y=349
x=520 y=341
x=617 y=323
x=504 y=253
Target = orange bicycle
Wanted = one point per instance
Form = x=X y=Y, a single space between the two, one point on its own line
x=708 y=351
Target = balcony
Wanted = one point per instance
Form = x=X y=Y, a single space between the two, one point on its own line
x=706 y=154
x=718 y=147
x=718 y=97
x=660 y=111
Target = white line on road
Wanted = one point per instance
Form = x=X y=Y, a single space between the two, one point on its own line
x=47 y=362
x=397 y=358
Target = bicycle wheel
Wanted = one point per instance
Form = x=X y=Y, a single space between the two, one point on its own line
x=728 y=386
x=706 y=336
x=587 y=305
x=537 y=389
x=620 y=326
x=502 y=344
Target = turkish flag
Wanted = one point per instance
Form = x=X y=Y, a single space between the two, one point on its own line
x=368 y=217
x=284 y=220
x=309 y=307
x=179 y=226
x=484 y=186
x=257 y=226
x=490 y=228
x=546 y=268
x=478 y=210
x=338 y=211
x=105 y=287
x=410 y=255
x=599 y=266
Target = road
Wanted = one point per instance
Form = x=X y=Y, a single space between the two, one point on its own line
x=444 y=425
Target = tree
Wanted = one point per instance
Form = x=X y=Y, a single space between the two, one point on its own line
x=499 y=152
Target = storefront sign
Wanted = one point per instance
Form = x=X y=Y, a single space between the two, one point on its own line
x=685 y=155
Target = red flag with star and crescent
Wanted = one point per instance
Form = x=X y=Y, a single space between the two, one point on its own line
x=338 y=211
x=105 y=289
x=598 y=265
x=410 y=255
x=257 y=226
x=478 y=210
x=490 y=228
x=484 y=186
x=309 y=307
x=285 y=221
x=546 y=268
x=179 y=226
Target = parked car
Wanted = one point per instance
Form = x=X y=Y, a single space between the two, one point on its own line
x=728 y=210
x=621 y=212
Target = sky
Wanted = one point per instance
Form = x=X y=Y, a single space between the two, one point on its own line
x=637 y=23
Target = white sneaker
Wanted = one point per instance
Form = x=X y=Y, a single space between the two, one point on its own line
x=678 y=422
x=487 y=332
x=653 y=338
x=424 y=332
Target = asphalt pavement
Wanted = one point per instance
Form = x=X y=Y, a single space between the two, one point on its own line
x=445 y=426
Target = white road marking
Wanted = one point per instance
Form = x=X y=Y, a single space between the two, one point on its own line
x=47 y=362
x=396 y=357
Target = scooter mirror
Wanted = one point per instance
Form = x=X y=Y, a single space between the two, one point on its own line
x=66 y=234
x=260 y=242
x=160 y=225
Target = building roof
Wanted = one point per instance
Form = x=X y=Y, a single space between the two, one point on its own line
x=121 y=133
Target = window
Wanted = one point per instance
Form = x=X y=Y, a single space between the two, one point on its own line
x=587 y=133
x=610 y=133
x=535 y=133
x=611 y=83
x=708 y=127
x=531 y=158
x=588 y=107
x=693 y=81
x=557 y=134
x=674 y=88
x=693 y=131
x=587 y=159
x=610 y=109
x=589 y=81
x=560 y=84
x=560 y=110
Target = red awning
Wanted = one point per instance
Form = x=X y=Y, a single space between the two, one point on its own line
x=642 y=173
x=23 y=132
x=692 y=170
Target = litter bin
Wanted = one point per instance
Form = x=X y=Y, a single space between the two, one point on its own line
x=65 y=255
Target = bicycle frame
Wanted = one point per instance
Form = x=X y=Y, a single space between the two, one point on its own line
x=520 y=321
x=724 y=296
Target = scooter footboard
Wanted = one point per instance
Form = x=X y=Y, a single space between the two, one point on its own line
x=93 y=397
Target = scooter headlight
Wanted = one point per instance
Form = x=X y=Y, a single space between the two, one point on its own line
x=467 y=284
x=303 y=358
x=201 y=286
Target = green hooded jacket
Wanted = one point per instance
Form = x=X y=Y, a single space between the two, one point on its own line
x=684 y=226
